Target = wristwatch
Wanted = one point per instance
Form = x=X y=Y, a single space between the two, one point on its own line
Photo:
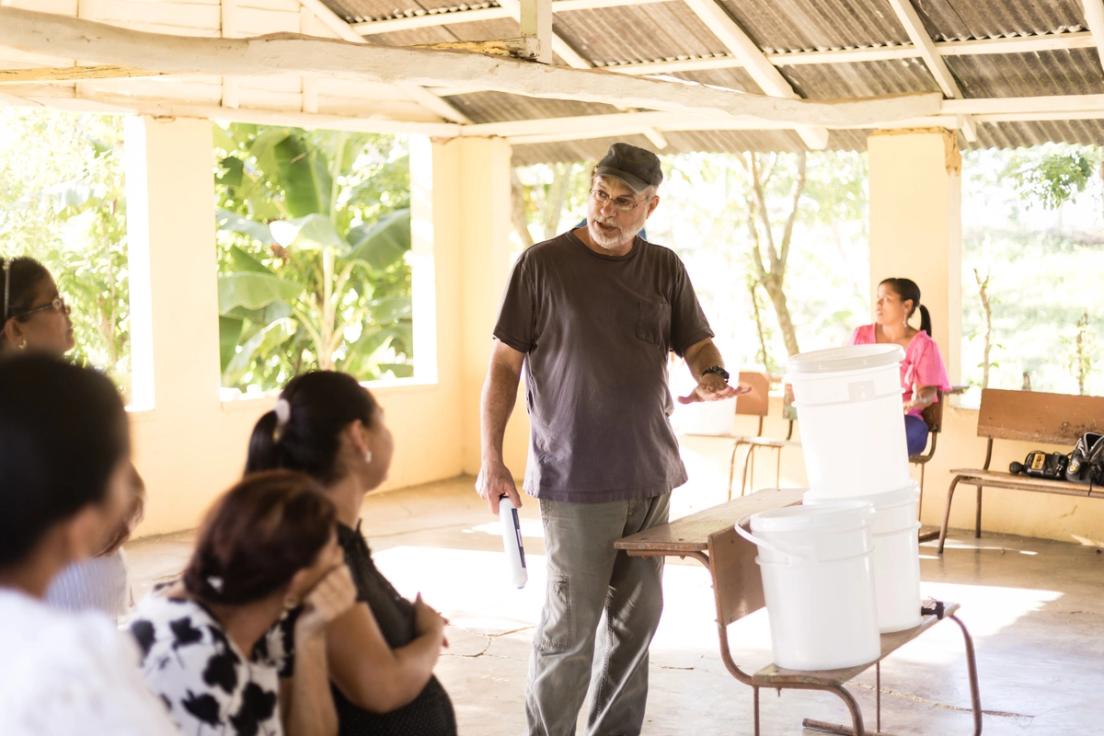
x=719 y=370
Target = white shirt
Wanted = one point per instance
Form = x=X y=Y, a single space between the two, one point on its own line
x=64 y=673
x=98 y=583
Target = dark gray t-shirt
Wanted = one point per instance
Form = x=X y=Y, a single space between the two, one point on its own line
x=596 y=331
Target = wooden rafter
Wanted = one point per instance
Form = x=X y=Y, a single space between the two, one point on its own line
x=924 y=44
x=74 y=38
x=1094 y=16
x=740 y=45
x=418 y=94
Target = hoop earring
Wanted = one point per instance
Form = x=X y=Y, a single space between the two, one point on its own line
x=22 y=343
x=368 y=456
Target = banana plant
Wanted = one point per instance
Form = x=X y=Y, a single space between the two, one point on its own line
x=314 y=228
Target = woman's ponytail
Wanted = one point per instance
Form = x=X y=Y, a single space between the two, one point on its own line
x=925 y=320
x=264 y=448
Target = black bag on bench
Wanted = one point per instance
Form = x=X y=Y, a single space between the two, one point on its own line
x=1086 y=462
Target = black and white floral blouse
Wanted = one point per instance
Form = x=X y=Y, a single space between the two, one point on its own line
x=205 y=681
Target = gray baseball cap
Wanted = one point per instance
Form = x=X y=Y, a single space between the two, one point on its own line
x=637 y=167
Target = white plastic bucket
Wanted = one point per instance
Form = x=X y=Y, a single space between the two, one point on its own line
x=818 y=583
x=848 y=401
x=896 y=554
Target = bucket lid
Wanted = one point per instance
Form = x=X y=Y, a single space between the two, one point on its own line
x=908 y=493
x=845 y=514
x=850 y=358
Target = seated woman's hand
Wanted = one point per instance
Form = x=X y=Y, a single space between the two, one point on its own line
x=332 y=596
x=428 y=621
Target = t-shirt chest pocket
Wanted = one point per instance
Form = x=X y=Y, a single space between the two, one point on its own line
x=653 y=322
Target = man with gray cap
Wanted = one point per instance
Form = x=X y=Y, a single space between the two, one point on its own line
x=591 y=316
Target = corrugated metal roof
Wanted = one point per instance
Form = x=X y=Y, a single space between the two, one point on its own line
x=491 y=107
x=816 y=24
x=865 y=79
x=1019 y=135
x=565 y=151
x=964 y=19
x=669 y=30
x=362 y=10
x=1069 y=72
x=629 y=33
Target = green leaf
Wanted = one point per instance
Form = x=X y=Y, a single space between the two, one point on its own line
x=271 y=313
x=231 y=170
x=399 y=370
x=244 y=262
x=233 y=222
x=262 y=149
x=304 y=175
x=313 y=232
x=230 y=330
x=383 y=243
x=263 y=342
x=253 y=290
x=390 y=309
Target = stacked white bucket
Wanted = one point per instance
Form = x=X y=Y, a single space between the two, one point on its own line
x=845 y=565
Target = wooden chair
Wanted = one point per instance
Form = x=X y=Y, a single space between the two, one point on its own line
x=933 y=416
x=1032 y=416
x=738 y=591
x=757 y=404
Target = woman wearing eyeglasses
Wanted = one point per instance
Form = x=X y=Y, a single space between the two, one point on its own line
x=36 y=318
x=35 y=315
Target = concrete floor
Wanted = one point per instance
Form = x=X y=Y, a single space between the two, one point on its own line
x=1034 y=607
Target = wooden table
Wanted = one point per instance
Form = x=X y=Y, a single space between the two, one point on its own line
x=708 y=537
x=689 y=536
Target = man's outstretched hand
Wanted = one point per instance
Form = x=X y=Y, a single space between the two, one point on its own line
x=712 y=387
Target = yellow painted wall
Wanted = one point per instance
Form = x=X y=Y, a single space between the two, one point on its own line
x=190 y=446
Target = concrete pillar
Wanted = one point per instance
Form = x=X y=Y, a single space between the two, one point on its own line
x=471 y=205
x=916 y=226
x=174 y=318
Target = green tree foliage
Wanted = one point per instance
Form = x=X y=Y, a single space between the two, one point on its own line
x=313 y=232
x=706 y=200
x=1053 y=174
x=1041 y=248
x=63 y=202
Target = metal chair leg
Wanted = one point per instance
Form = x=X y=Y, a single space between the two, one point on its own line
x=732 y=467
x=749 y=463
x=977 y=524
x=755 y=701
x=971 y=668
x=947 y=512
x=920 y=503
x=777 y=466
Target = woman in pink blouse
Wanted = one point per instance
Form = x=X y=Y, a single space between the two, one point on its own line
x=923 y=374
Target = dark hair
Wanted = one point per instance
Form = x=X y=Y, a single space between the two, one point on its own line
x=320 y=405
x=19 y=280
x=257 y=536
x=908 y=290
x=136 y=508
x=63 y=431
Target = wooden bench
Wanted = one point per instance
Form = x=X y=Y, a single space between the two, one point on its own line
x=709 y=537
x=1031 y=416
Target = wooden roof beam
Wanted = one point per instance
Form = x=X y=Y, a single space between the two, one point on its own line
x=1094 y=16
x=740 y=45
x=167 y=54
x=418 y=94
x=924 y=44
